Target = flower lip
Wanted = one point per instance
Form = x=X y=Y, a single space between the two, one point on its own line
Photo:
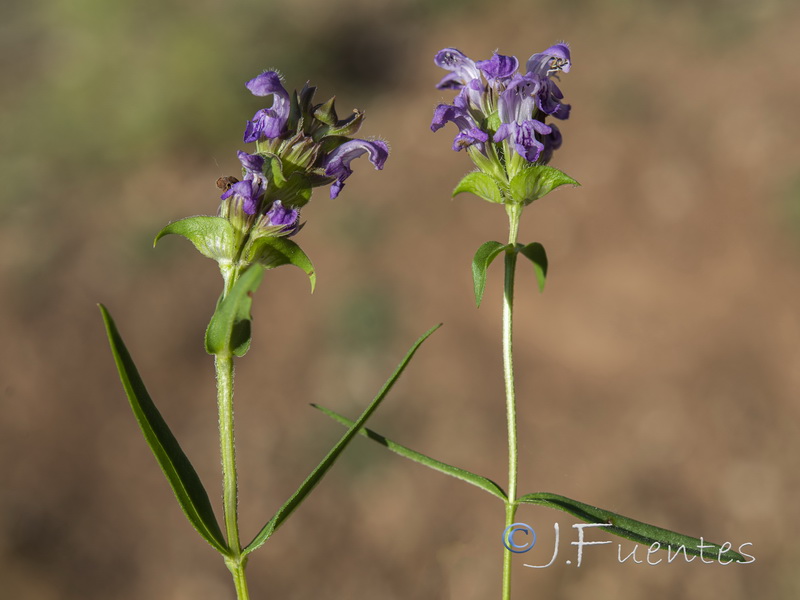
x=267 y=83
x=468 y=131
x=463 y=69
x=249 y=192
x=268 y=122
x=523 y=136
x=556 y=58
x=288 y=217
x=499 y=66
x=337 y=163
x=252 y=163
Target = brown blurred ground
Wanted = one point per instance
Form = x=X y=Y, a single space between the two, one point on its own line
x=657 y=376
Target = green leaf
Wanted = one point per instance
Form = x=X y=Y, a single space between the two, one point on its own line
x=536 y=181
x=631 y=529
x=319 y=472
x=481 y=185
x=483 y=258
x=536 y=254
x=228 y=331
x=273 y=252
x=180 y=473
x=462 y=474
x=212 y=236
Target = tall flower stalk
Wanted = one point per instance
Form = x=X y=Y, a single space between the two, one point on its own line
x=501 y=118
x=299 y=145
x=505 y=123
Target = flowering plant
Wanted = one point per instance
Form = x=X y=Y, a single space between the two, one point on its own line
x=501 y=116
x=504 y=118
x=299 y=145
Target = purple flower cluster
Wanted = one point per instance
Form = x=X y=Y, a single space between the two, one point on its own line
x=299 y=145
x=495 y=102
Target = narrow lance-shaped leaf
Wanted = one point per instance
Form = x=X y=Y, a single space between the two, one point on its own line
x=212 y=236
x=480 y=263
x=229 y=328
x=319 y=472
x=635 y=530
x=180 y=473
x=480 y=184
x=535 y=253
x=462 y=474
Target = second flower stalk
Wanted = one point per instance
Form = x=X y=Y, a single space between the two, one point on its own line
x=299 y=146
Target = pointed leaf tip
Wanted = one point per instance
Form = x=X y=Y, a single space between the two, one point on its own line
x=273 y=252
x=536 y=181
x=480 y=184
x=633 y=530
x=212 y=236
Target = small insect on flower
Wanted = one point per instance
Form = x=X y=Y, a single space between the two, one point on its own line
x=225 y=183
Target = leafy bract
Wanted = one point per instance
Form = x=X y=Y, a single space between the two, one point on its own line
x=480 y=184
x=212 y=236
x=536 y=181
x=535 y=253
x=228 y=331
x=480 y=263
x=272 y=252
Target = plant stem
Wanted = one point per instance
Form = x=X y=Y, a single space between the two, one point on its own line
x=239 y=579
x=514 y=211
x=236 y=563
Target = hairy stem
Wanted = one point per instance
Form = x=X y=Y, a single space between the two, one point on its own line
x=514 y=211
x=236 y=563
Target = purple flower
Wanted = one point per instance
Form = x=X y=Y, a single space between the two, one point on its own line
x=551 y=142
x=268 y=122
x=247 y=192
x=518 y=101
x=499 y=67
x=516 y=107
x=252 y=164
x=463 y=69
x=521 y=101
x=523 y=136
x=556 y=58
x=278 y=214
x=549 y=100
x=468 y=131
x=541 y=67
x=337 y=163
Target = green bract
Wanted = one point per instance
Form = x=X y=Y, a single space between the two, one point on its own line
x=531 y=182
x=536 y=181
x=218 y=238
x=213 y=237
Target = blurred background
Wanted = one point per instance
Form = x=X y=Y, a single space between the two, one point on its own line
x=657 y=375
